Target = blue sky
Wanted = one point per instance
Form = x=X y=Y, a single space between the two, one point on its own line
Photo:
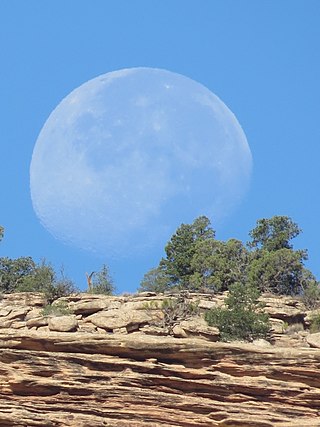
x=262 y=58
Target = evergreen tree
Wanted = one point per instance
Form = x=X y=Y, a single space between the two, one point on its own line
x=274 y=233
x=181 y=249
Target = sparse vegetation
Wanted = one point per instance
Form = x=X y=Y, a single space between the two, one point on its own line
x=294 y=328
x=311 y=294
x=315 y=323
x=242 y=317
x=172 y=310
x=102 y=282
x=58 y=309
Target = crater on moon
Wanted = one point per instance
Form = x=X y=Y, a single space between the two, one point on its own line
x=128 y=156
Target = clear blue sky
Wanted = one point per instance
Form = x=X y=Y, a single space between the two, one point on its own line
x=262 y=58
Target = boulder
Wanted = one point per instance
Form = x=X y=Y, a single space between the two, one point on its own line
x=314 y=340
x=91 y=306
x=18 y=313
x=37 y=322
x=63 y=323
x=288 y=309
x=33 y=313
x=154 y=330
x=5 y=311
x=278 y=326
x=207 y=305
x=197 y=326
x=121 y=318
x=179 y=332
x=261 y=343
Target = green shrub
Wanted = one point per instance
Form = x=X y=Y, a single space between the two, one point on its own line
x=242 y=317
x=59 y=309
x=311 y=295
x=41 y=278
x=315 y=323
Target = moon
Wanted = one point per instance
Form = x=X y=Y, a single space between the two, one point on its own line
x=128 y=156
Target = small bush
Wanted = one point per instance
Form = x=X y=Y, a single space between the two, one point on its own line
x=102 y=282
x=315 y=323
x=173 y=310
x=59 y=309
x=242 y=317
x=311 y=295
x=151 y=305
x=44 y=279
x=59 y=289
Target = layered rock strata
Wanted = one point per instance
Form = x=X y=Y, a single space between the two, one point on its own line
x=117 y=368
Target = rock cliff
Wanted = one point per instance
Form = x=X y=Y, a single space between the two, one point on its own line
x=112 y=361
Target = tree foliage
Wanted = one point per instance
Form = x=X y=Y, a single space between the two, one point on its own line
x=24 y=275
x=274 y=233
x=102 y=282
x=14 y=271
x=155 y=280
x=280 y=272
x=196 y=261
x=181 y=249
x=275 y=266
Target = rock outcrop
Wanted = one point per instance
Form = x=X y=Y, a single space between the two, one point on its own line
x=113 y=362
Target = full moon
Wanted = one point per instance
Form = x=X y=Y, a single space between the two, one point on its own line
x=128 y=156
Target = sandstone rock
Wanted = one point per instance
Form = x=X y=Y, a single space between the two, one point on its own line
x=101 y=330
x=43 y=329
x=309 y=316
x=278 y=326
x=120 y=331
x=93 y=377
x=122 y=318
x=4 y=323
x=261 y=343
x=18 y=325
x=91 y=306
x=37 y=322
x=138 y=381
x=33 y=313
x=314 y=340
x=32 y=299
x=207 y=305
x=18 y=313
x=179 y=332
x=197 y=326
x=154 y=330
x=284 y=308
x=146 y=294
x=86 y=327
x=5 y=311
x=63 y=323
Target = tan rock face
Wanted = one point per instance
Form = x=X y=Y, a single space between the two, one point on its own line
x=107 y=374
x=314 y=340
x=63 y=323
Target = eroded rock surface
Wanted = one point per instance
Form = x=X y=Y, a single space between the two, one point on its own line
x=118 y=376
